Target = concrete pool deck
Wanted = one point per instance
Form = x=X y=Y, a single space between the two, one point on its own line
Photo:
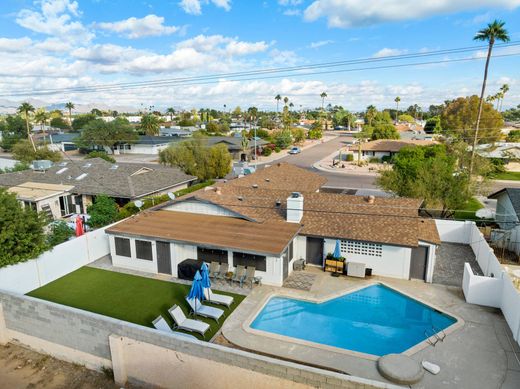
x=479 y=354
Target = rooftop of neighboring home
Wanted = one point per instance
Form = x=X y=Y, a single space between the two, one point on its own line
x=391 y=145
x=259 y=202
x=35 y=191
x=233 y=143
x=507 y=150
x=97 y=176
x=514 y=197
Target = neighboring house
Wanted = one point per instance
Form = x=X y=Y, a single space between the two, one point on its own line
x=272 y=217
x=502 y=150
x=63 y=142
x=146 y=144
x=54 y=200
x=175 y=131
x=7 y=163
x=385 y=147
x=508 y=218
x=92 y=177
x=234 y=146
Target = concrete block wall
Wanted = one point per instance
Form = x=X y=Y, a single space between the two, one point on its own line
x=83 y=337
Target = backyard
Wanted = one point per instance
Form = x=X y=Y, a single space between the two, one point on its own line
x=126 y=297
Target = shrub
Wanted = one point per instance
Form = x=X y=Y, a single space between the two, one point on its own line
x=386 y=158
x=277 y=149
x=103 y=212
x=60 y=232
x=374 y=160
x=266 y=151
x=100 y=154
x=349 y=157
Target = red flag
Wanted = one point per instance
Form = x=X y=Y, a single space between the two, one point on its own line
x=79 y=226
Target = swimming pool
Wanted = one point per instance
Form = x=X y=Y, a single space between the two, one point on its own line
x=374 y=320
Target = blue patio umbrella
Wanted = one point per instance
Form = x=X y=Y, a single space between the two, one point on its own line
x=196 y=291
x=337 y=250
x=206 y=283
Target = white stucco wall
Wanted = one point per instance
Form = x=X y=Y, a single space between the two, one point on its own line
x=199 y=208
x=133 y=262
x=144 y=149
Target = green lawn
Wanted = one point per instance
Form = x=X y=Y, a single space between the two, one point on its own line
x=122 y=296
x=512 y=176
x=469 y=209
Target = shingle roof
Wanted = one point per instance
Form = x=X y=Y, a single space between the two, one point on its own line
x=207 y=230
x=128 y=180
x=391 y=145
x=514 y=196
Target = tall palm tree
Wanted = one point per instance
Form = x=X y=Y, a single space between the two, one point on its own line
x=70 y=106
x=41 y=116
x=25 y=109
x=323 y=95
x=397 y=101
x=170 y=111
x=504 y=89
x=150 y=124
x=277 y=98
x=494 y=31
x=285 y=100
x=370 y=114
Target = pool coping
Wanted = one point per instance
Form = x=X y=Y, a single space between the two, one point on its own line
x=246 y=324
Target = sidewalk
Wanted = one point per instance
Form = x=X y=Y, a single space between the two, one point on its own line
x=350 y=168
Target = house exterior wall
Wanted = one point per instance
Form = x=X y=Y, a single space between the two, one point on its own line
x=143 y=149
x=199 y=208
x=505 y=213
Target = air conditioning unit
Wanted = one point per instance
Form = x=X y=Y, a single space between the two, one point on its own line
x=42 y=164
x=356 y=269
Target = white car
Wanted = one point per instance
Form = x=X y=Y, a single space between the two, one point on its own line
x=295 y=150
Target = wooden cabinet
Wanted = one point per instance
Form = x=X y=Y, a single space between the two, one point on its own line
x=334 y=266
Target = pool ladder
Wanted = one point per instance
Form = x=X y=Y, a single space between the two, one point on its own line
x=436 y=336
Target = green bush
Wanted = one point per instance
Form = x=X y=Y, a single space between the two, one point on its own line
x=103 y=212
x=349 y=157
x=386 y=158
x=374 y=160
x=277 y=149
x=266 y=151
x=60 y=232
x=100 y=154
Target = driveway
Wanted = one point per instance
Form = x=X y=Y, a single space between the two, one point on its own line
x=449 y=263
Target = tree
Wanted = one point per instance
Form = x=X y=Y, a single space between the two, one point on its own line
x=406 y=118
x=81 y=121
x=60 y=232
x=70 y=106
x=512 y=114
x=100 y=154
x=428 y=173
x=513 y=136
x=23 y=152
x=195 y=158
x=277 y=98
x=397 y=101
x=503 y=90
x=171 y=111
x=102 y=212
x=385 y=131
x=433 y=125
x=459 y=116
x=316 y=130
x=41 y=116
x=494 y=31
x=108 y=135
x=237 y=112
x=323 y=95
x=96 y=112
x=59 y=123
x=13 y=130
x=361 y=137
x=282 y=138
x=370 y=114
x=150 y=124
x=298 y=134
x=21 y=231
x=25 y=109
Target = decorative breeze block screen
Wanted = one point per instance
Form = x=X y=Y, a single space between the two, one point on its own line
x=363 y=248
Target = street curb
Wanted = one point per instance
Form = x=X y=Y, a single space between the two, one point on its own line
x=317 y=166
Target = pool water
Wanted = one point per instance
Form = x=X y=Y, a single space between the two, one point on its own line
x=374 y=320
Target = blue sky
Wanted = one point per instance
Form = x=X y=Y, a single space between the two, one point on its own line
x=65 y=43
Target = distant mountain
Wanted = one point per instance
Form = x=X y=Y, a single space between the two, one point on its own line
x=9 y=106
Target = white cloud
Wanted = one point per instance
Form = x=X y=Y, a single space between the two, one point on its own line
x=194 y=7
x=353 y=13
x=221 y=45
x=315 y=45
x=53 y=45
x=286 y=3
x=55 y=18
x=106 y=54
x=133 y=28
x=292 y=12
x=14 y=45
x=387 y=52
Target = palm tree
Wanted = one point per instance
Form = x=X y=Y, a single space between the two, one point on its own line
x=285 y=100
x=170 y=111
x=41 y=116
x=277 y=98
x=397 y=101
x=25 y=109
x=323 y=95
x=150 y=124
x=70 y=107
x=503 y=90
x=370 y=114
x=494 y=31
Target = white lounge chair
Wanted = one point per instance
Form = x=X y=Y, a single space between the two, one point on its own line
x=160 y=324
x=204 y=310
x=183 y=323
x=217 y=298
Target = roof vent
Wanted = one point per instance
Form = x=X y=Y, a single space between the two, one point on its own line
x=255 y=186
x=370 y=199
x=240 y=198
x=278 y=203
x=267 y=180
x=296 y=195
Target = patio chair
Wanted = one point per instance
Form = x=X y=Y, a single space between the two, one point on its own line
x=214 y=269
x=183 y=323
x=238 y=275
x=204 y=310
x=224 y=267
x=160 y=324
x=217 y=298
x=249 y=277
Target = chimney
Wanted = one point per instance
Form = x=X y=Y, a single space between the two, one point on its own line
x=295 y=207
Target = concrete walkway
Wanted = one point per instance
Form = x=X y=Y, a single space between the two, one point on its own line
x=479 y=354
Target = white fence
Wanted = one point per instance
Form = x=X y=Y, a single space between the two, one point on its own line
x=495 y=288
x=53 y=264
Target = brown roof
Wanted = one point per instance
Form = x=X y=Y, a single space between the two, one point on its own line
x=387 y=220
x=428 y=231
x=391 y=145
x=206 y=230
x=282 y=176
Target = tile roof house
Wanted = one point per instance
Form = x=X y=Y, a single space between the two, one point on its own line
x=88 y=178
x=386 y=147
x=267 y=220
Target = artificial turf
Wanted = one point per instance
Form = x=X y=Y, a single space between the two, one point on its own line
x=126 y=297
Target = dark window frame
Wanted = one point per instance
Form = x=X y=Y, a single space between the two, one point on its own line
x=212 y=255
x=143 y=248
x=122 y=250
x=245 y=259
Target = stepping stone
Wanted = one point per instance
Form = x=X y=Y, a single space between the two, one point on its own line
x=400 y=369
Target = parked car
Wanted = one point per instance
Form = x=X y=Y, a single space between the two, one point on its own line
x=295 y=150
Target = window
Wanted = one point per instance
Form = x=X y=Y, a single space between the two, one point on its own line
x=258 y=261
x=66 y=205
x=143 y=249
x=212 y=255
x=123 y=247
x=30 y=204
x=363 y=248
